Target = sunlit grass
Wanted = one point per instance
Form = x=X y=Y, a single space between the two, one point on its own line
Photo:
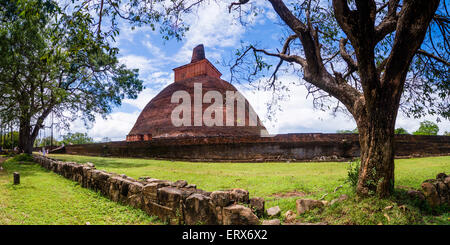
x=315 y=179
x=46 y=198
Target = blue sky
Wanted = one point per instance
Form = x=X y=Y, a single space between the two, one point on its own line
x=218 y=30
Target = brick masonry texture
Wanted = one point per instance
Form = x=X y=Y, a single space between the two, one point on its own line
x=155 y=118
x=173 y=202
x=284 y=147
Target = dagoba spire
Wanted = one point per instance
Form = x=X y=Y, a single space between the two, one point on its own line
x=155 y=121
x=199 y=66
x=198 y=53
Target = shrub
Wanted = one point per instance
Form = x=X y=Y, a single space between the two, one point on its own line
x=353 y=172
x=23 y=157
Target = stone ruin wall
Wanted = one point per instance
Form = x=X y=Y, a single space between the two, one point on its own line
x=285 y=147
x=173 y=202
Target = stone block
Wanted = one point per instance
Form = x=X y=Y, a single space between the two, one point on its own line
x=257 y=204
x=169 y=197
x=164 y=213
x=304 y=205
x=180 y=183
x=441 y=176
x=239 y=195
x=273 y=211
x=150 y=191
x=114 y=188
x=239 y=215
x=198 y=211
x=221 y=198
x=271 y=222
x=431 y=194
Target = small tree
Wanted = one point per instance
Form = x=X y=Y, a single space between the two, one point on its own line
x=401 y=131
x=106 y=139
x=8 y=140
x=77 y=139
x=345 y=131
x=427 y=128
x=47 y=141
x=54 y=62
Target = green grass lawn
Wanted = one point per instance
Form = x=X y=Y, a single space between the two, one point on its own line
x=46 y=198
x=312 y=178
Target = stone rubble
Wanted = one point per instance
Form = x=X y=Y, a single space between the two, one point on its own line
x=257 y=204
x=436 y=191
x=290 y=216
x=271 y=222
x=273 y=211
x=304 y=205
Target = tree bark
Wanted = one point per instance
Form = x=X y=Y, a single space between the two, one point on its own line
x=376 y=137
x=25 y=139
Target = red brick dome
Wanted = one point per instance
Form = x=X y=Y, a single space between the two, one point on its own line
x=155 y=120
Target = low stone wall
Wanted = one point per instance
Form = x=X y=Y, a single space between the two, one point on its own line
x=285 y=147
x=173 y=202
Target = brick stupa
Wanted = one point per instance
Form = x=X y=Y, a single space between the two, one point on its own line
x=155 y=120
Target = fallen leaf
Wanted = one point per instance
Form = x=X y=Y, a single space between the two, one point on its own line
x=387 y=217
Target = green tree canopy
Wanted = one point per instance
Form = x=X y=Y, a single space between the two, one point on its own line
x=77 y=139
x=401 y=131
x=346 y=131
x=54 y=62
x=427 y=128
x=8 y=142
x=47 y=141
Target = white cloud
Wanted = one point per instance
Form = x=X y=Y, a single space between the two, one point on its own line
x=127 y=34
x=143 y=98
x=212 y=26
x=116 y=126
x=298 y=114
x=138 y=62
x=157 y=54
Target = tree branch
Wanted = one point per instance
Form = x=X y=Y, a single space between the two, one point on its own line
x=389 y=22
x=422 y=52
x=347 y=58
x=289 y=58
x=314 y=70
x=241 y=2
x=412 y=25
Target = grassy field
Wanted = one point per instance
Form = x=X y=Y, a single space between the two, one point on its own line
x=46 y=198
x=277 y=181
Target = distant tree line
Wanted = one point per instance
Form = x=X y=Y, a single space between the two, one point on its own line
x=11 y=140
x=425 y=128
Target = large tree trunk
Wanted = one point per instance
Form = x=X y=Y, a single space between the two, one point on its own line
x=376 y=138
x=26 y=139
